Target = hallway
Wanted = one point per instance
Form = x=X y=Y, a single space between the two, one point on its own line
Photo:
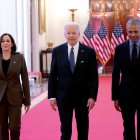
x=41 y=123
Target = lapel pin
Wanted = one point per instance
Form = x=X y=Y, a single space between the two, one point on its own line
x=82 y=61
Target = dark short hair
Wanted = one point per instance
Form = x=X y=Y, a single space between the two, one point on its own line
x=132 y=22
x=14 y=47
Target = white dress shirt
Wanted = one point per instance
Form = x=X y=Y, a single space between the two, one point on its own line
x=75 y=50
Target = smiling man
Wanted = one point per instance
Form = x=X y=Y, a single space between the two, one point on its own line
x=126 y=80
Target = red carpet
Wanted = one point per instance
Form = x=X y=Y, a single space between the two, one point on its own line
x=41 y=123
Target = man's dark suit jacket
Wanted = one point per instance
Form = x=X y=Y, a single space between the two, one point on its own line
x=10 y=85
x=128 y=87
x=65 y=85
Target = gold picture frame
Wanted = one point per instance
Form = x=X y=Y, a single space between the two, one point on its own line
x=96 y=5
x=42 y=15
x=109 y=6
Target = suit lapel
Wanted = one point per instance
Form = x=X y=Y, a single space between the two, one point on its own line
x=80 y=55
x=127 y=52
x=65 y=58
x=1 y=69
x=12 y=64
x=65 y=54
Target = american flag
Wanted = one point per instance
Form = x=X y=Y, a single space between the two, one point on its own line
x=117 y=36
x=89 y=36
x=103 y=44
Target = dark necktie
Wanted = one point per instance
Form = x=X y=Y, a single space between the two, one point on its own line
x=134 y=55
x=72 y=62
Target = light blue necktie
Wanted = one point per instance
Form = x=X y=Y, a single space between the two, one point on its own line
x=72 y=62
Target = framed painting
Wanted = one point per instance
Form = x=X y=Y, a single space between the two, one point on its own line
x=42 y=15
x=95 y=6
x=100 y=5
x=109 y=6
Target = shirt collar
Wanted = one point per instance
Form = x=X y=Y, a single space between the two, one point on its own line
x=137 y=43
x=76 y=46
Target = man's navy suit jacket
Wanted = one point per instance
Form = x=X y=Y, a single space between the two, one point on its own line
x=65 y=85
x=125 y=80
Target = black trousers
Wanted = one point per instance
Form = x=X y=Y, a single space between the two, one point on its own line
x=81 y=115
x=130 y=110
x=10 y=121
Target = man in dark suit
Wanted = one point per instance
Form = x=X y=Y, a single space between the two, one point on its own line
x=73 y=82
x=126 y=80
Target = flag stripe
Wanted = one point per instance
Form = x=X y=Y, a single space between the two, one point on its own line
x=89 y=36
x=103 y=44
x=117 y=36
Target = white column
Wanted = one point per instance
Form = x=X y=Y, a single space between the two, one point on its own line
x=23 y=30
x=8 y=17
x=20 y=29
x=15 y=19
x=35 y=36
x=27 y=33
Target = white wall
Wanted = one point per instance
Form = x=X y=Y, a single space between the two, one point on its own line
x=27 y=32
x=15 y=19
x=58 y=14
x=38 y=40
x=8 y=17
x=34 y=34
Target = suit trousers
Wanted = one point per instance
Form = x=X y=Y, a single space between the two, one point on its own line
x=82 y=119
x=130 y=110
x=10 y=119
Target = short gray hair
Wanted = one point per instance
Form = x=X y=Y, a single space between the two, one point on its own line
x=72 y=24
x=132 y=22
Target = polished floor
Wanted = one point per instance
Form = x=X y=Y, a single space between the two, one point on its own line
x=36 y=90
x=42 y=123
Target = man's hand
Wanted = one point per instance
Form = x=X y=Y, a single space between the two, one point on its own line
x=53 y=104
x=90 y=103
x=117 y=106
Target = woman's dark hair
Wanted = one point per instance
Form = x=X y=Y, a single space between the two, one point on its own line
x=13 y=48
